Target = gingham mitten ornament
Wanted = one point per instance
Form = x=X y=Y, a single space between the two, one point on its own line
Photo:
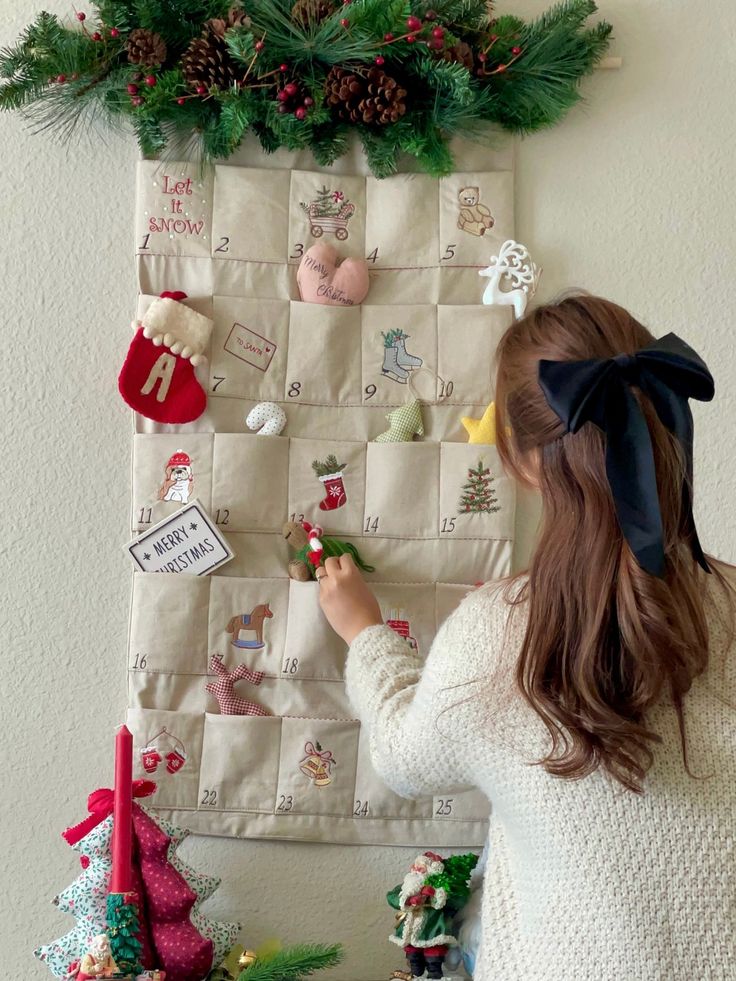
x=158 y=379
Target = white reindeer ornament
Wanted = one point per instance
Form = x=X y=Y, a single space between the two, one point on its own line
x=511 y=268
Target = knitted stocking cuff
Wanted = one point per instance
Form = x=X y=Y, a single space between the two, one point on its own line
x=184 y=331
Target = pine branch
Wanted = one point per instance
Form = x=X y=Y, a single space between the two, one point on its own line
x=294 y=963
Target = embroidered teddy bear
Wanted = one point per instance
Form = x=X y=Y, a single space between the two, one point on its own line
x=475 y=218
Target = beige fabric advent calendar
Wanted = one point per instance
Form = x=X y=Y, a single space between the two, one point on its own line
x=232 y=237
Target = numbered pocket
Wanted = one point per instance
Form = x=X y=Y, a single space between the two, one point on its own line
x=397 y=342
x=448 y=598
x=169 y=472
x=477 y=499
x=467 y=340
x=401 y=224
x=247 y=620
x=249 y=348
x=476 y=216
x=323 y=366
x=468 y=805
x=168 y=623
x=312 y=650
x=401 y=494
x=250 y=219
x=327 y=484
x=167 y=750
x=373 y=799
x=249 y=484
x=317 y=767
x=327 y=208
x=174 y=209
x=240 y=759
x=409 y=610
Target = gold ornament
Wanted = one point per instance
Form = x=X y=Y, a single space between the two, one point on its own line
x=247 y=959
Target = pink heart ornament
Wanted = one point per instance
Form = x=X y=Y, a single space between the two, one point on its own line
x=322 y=278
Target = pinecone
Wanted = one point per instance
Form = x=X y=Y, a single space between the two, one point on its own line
x=146 y=48
x=236 y=17
x=207 y=62
x=308 y=12
x=460 y=52
x=372 y=97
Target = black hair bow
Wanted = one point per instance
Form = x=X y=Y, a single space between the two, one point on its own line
x=669 y=372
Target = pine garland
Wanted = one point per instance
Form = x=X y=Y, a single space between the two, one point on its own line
x=456 y=70
x=294 y=963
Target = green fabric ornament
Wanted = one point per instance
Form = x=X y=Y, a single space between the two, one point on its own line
x=404 y=424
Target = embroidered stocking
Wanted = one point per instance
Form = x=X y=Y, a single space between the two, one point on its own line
x=335 y=492
x=158 y=379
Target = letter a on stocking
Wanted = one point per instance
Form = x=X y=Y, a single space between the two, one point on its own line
x=158 y=379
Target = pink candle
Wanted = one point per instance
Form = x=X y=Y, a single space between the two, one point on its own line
x=122 y=829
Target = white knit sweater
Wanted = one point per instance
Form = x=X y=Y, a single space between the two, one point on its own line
x=586 y=881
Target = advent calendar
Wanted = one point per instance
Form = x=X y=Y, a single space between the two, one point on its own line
x=433 y=516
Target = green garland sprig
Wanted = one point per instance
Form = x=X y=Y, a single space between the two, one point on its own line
x=421 y=71
x=294 y=963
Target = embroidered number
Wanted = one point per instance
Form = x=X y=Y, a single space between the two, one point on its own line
x=370 y=391
x=146 y=240
x=296 y=517
x=446 y=389
x=291 y=665
x=141 y=660
x=298 y=251
x=209 y=798
x=449 y=252
x=373 y=257
x=361 y=809
x=295 y=390
x=286 y=803
x=219 y=379
x=448 y=526
x=224 y=245
x=444 y=806
x=222 y=517
x=144 y=518
x=371 y=525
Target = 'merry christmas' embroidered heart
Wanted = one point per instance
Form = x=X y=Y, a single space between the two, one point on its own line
x=321 y=279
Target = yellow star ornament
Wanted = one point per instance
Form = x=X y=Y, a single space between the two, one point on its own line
x=482 y=431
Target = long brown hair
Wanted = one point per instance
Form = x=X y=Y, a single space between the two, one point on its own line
x=605 y=640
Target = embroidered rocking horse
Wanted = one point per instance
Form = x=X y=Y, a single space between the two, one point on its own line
x=250 y=623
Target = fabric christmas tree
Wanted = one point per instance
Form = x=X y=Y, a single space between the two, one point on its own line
x=175 y=935
x=478 y=495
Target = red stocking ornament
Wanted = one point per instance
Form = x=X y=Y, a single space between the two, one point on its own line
x=158 y=379
x=335 y=492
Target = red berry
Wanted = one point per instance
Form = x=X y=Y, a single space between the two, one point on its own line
x=516 y=50
x=411 y=39
x=482 y=56
x=201 y=89
x=97 y=36
x=300 y=113
x=133 y=89
x=81 y=16
x=282 y=95
x=114 y=32
x=291 y=89
x=438 y=32
x=137 y=101
x=437 y=43
x=150 y=81
x=502 y=68
x=75 y=76
x=284 y=67
x=494 y=37
x=260 y=45
x=181 y=100
x=380 y=60
x=61 y=79
x=413 y=23
x=309 y=101
x=388 y=37
x=345 y=22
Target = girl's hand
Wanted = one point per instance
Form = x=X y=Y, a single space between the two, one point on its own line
x=346 y=600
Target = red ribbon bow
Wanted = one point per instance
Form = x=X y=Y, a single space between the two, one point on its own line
x=325 y=755
x=100 y=805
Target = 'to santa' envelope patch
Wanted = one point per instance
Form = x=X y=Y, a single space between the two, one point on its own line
x=186 y=542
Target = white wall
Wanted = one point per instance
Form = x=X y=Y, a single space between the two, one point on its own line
x=631 y=197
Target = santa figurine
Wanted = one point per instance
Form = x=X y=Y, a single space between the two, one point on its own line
x=424 y=921
x=97 y=962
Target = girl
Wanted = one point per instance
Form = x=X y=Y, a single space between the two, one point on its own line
x=591 y=698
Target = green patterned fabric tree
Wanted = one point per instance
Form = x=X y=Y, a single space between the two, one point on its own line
x=478 y=495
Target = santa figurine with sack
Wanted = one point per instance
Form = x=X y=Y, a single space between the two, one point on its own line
x=158 y=378
x=433 y=892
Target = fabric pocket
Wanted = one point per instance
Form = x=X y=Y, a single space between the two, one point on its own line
x=476 y=216
x=240 y=758
x=317 y=767
x=327 y=484
x=167 y=750
x=249 y=348
x=477 y=499
x=169 y=472
x=247 y=620
x=401 y=494
x=246 y=198
x=168 y=623
x=174 y=216
x=313 y=650
x=398 y=341
x=374 y=799
x=323 y=364
x=401 y=223
x=467 y=340
x=328 y=208
x=249 y=486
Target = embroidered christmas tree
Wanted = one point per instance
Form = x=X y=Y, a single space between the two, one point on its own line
x=175 y=935
x=326 y=203
x=478 y=495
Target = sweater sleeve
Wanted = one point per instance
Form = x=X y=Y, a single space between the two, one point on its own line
x=419 y=742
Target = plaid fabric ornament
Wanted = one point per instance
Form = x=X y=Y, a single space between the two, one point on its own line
x=404 y=424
